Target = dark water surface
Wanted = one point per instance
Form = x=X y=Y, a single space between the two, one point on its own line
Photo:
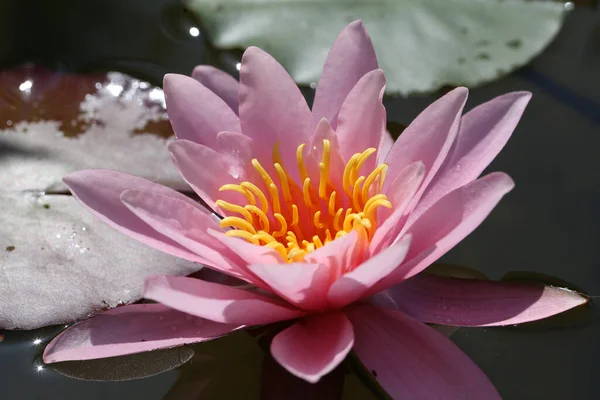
x=549 y=224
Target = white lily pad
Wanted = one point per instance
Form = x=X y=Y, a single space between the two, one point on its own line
x=58 y=263
x=421 y=44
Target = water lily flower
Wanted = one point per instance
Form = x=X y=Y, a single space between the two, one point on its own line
x=326 y=220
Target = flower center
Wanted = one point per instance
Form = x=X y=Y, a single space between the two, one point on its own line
x=311 y=214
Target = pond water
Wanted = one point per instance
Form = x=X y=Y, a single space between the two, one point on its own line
x=550 y=224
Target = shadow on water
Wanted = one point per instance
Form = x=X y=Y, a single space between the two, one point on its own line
x=550 y=223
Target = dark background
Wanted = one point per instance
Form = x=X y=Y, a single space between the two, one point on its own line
x=549 y=224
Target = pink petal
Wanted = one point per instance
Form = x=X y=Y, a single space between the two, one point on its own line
x=483 y=133
x=236 y=145
x=428 y=138
x=470 y=302
x=206 y=170
x=314 y=346
x=400 y=194
x=187 y=225
x=195 y=112
x=448 y=222
x=412 y=361
x=356 y=283
x=131 y=329
x=99 y=191
x=361 y=121
x=220 y=83
x=323 y=131
x=216 y=302
x=272 y=108
x=339 y=255
x=302 y=284
x=351 y=56
x=387 y=141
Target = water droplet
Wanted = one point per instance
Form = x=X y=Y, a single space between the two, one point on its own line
x=9 y=122
x=238 y=66
x=313 y=85
x=83 y=228
x=194 y=31
x=569 y=6
x=58 y=235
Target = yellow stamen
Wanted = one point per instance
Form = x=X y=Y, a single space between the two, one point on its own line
x=370 y=179
x=275 y=222
x=287 y=195
x=317 y=220
x=347 y=172
x=306 y=193
x=294 y=215
x=264 y=205
x=317 y=242
x=262 y=217
x=242 y=234
x=331 y=205
x=356 y=193
x=283 y=223
x=233 y=208
x=237 y=188
x=235 y=222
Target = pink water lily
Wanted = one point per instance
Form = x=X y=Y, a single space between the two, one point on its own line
x=325 y=218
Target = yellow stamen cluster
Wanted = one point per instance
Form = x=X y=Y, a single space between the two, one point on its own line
x=299 y=218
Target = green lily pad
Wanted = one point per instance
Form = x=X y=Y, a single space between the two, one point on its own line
x=421 y=44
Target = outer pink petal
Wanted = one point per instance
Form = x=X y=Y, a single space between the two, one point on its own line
x=356 y=283
x=483 y=133
x=195 y=112
x=361 y=121
x=428 y=138
x=99 y=191
x=187 y=225
x=272 y=108
x=314 y=346
x=131 y=329
x=470 y=302
x=387 y=142
x=216 y=302
x=448 y=222
x=412 y=361
x=351 y=56
x=302 y=284
x=206 y=170
x=220 y=83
